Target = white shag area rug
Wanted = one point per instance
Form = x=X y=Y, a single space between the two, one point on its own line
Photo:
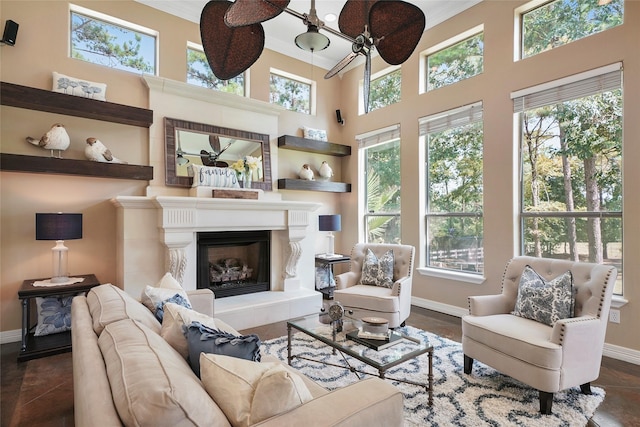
x=484 y=398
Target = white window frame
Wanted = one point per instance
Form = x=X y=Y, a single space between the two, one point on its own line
x=460 y=116
x=73 y=8
x=423 y=72
x=312 y=94
x=370 y=140
x=374 y=76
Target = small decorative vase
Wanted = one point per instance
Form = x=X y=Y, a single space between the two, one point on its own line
x=246 y=179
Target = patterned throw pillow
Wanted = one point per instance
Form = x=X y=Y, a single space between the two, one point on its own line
x=54 y=315
x=158 y=297
x=378 y=272
x=542 y=301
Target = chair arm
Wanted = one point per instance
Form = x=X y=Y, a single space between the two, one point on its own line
x=202 y=301
x=403 y=284
x=345 y=280
x=577 y=331
x=487 y=305
x=371 y=402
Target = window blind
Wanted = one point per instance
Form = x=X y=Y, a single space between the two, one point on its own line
x=585 y=84
x=452 y=118
x=378 y=136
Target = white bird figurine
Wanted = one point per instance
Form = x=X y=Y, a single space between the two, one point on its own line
x=306 y=172
x=97 y=152
x=56 y=139
x=325 y=171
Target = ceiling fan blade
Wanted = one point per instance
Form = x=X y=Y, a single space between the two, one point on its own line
x=396 y=27
x=214 y=142
x=354 y=16
x=340 y=65
x=229 y=51
x=366 y=84
x=247 y=12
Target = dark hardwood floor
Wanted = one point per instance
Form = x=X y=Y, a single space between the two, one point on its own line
x=40 y=392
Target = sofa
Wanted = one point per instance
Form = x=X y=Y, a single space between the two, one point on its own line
x=125 y=373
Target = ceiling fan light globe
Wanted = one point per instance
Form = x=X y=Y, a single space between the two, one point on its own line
x=312 y=40
x=182 y=160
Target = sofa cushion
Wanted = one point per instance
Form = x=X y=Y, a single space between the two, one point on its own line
x=150 y=383
x=166 y=290
x=203 y=339
x=54 y=315
x=176 y=317
x=544 y=301
x=374 y=298
x=108 y=304
x=378 y=271
x=249 y=392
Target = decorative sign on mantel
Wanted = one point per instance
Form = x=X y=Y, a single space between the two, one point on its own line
x=234 y=194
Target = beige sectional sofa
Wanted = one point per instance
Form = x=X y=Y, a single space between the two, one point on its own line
x=125 y=373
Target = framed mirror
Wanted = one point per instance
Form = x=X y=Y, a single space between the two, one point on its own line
x=197 y=143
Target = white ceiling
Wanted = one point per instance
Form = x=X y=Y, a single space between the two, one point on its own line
x=281 y=30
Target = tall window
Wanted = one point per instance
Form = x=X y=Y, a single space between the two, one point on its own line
x=199 y=73
x=385 y=90
x=380 y=154
x=112 y=42
x=560 y=22
x=571 y=149
x=454 y=143
x=292 y=92
x=455 y=63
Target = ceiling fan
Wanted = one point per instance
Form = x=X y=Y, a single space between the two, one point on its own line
x=233 y=36
x=208 y=158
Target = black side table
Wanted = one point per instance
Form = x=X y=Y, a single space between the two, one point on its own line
x=328 y=262
x=34 y=347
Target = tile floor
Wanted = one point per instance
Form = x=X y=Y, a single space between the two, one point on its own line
x=40 y=392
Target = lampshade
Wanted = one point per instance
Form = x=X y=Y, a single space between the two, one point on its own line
x=58 y=226
x=312 y=40
x=329 y=222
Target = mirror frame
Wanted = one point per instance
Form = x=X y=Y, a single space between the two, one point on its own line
x=170 y=126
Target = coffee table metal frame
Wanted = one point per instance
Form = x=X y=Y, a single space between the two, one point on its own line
x=306 y=325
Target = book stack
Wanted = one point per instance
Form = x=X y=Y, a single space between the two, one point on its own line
x=380 y=342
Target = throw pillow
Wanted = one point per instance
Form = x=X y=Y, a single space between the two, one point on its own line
x=249 y=392
x=378 y=272
x=160 y=296
x=174 y=320
x=544 y=301
x=79 y=87
x=210 y=176
x=54 y=315
x=203 y=339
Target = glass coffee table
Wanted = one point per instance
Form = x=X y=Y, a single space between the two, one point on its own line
x=406 y=348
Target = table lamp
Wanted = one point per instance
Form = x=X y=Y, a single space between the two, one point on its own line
x=329 y=223
x=59 y=227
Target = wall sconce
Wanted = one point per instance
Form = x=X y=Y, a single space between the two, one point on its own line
x=330 y=223
x=59 y=227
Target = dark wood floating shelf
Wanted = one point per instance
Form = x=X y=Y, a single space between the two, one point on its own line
x=37 y=164
x=313 y=146
x=14 y=95
x=303 y=184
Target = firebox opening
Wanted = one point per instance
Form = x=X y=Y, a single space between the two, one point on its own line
x=234 y=262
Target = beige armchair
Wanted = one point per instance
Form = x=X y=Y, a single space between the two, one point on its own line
x=548 y=358
x=393 y=304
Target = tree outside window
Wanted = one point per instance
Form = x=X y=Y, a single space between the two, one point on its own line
x=385 y=90
x=454 y=215
x=105 y=43
x=199 y=73
x=563 y=21
x=382 y=191
x=572 y=180
x=455 y=63
x=292 y=94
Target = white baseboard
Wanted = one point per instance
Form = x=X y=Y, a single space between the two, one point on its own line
x=11 y=336
x=610 y=350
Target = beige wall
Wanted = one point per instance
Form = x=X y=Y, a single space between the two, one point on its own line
x=41 y=48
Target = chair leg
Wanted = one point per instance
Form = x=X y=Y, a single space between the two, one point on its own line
x=468 y=364
x=546 y=400
x=585 y=388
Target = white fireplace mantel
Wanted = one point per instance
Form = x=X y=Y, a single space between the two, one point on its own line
x=158 y=234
